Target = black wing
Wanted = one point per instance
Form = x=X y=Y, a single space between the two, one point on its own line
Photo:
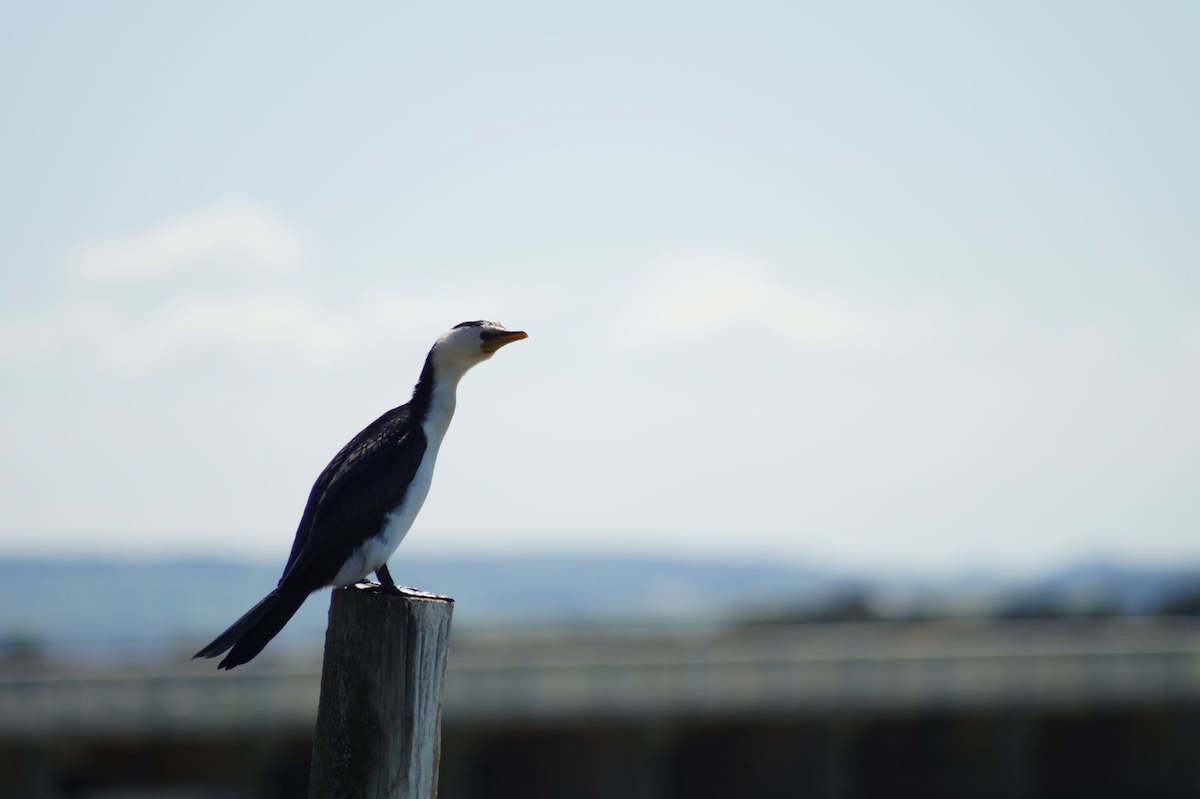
x=351 y=497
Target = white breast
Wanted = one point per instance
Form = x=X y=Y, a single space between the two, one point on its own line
x=376 y=550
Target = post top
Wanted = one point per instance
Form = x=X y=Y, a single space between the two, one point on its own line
x=400 y=592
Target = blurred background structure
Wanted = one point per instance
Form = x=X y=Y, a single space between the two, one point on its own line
x=853 y=452
x=574 y=678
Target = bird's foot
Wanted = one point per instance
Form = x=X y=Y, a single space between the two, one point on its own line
x=372 y=587
x=417 y=592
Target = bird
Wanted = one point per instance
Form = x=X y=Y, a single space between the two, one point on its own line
x=364 y=502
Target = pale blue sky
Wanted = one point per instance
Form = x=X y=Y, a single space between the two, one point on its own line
x=881 y=285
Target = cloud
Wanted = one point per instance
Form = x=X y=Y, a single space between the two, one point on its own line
x=692 y=299
x=127 y=331
x=259 y=326
x=59 y=328
x=232 y=234
x=121 y=330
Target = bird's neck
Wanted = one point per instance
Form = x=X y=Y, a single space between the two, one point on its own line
x=435 y=396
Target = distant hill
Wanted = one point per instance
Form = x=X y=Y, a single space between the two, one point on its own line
x=101 y=605
x=97 y=603
x=1102 y=586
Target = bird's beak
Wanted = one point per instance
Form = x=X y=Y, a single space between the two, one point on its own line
x=493 y=344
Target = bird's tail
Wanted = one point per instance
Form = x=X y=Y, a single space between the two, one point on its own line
x=248 y=635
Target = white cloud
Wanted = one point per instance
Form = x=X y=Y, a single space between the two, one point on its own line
x=693 y=299
x=256 y=326
x=114 y=330
x=233 y=234
x=58 y=329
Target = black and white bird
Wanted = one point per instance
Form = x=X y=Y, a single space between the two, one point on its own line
x=366 y=499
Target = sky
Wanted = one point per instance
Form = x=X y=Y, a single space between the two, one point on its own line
x=891 y=287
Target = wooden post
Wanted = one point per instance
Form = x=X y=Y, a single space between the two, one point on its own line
x=379 y=721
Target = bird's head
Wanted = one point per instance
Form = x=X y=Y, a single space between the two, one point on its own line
x=469 y=343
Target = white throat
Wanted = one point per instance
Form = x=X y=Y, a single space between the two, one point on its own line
x=441 y=409
x=450 y=363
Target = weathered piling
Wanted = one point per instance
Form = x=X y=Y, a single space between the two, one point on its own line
x=379 y=718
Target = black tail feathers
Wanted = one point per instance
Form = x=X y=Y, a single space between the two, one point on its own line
x=248 y=635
